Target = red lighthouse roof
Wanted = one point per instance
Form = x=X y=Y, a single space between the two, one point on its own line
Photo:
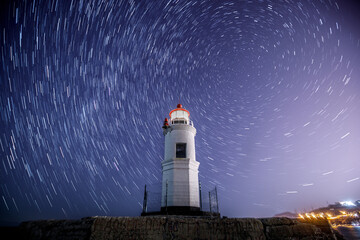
x=179 y=108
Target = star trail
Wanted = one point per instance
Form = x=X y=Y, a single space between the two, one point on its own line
x=272 y=87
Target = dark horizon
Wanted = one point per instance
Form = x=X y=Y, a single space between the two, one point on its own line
x=272 y=88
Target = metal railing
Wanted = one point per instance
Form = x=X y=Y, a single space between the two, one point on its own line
x=208 y=198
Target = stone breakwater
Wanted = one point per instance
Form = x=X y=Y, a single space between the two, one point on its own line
x=175 y=227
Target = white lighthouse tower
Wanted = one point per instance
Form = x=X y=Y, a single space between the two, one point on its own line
x=180 y=182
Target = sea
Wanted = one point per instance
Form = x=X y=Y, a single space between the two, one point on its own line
x=349 y=232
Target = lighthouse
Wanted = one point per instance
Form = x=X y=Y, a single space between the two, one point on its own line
x=180 y=181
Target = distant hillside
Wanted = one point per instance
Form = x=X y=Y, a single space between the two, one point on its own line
x=340 y=213
x=287 y=214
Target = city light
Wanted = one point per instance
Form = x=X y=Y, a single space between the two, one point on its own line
x=347 y=204
x=328 y=216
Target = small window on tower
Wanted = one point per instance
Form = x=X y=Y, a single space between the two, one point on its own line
x=181 y=150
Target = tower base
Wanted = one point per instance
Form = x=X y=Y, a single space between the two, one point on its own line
x=181 y=211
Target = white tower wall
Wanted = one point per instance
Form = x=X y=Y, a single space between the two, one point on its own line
x=180 y=175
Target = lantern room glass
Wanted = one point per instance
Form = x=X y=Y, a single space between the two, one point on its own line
x=179 y=115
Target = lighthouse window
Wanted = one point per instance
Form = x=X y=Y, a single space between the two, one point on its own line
x=179 y=122
x=181 y=150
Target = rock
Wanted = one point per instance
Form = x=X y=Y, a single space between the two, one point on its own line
x=175 y=227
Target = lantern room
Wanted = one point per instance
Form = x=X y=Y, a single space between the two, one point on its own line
x=179 y=115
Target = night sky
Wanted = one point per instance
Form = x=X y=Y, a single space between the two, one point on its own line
x=273 y=89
